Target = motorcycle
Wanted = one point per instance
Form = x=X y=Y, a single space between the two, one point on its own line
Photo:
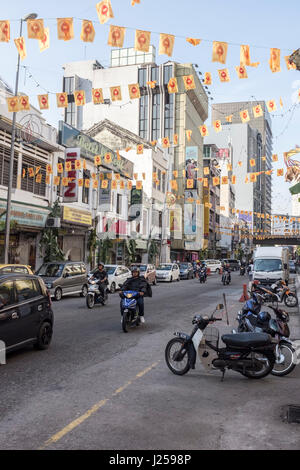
x=202 y=276
x=242 y=270
x=129 y=309
x=250 y=354
x=277 y=293
x=94 y=296
x=253 y=320
x=226 y=278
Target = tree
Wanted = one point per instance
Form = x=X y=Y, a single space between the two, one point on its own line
x=92 y=244
x=105 y=246
x=49 y=239
x=152 y=250
x=130 y=252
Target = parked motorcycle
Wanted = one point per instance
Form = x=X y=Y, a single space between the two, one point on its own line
x=94 y=296
x=256 y=321
x=129 y=308
x=250 y=354
x=202 y=275
x=277 y=293
x=226 y=278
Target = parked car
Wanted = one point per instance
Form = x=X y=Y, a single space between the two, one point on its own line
x=168 y=272
x=233 y=263
x=186 y=271
x=15 y=268
x=292 y=267
x=26 y=315
x=214 y=265
x=146 y=270
x=64 y=278
x=117 y=275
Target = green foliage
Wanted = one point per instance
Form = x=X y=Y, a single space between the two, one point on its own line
x=152 y=250
x=104 y=250
x=203 y=254
x=130 y=251
x=92 y=244
x=13 y=225
x=48 y=243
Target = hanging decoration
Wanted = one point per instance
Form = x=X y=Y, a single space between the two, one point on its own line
x=87 y=31
x=65 y=29
x=104 y=11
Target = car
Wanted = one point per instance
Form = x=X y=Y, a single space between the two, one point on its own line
x=64 y=278
x=15 y=268
x=186 y=271
x=168 y=272
x=292 y=267
x=146 y=270
x=26 y=315
x=116 y=274
x=233 y=263
x=214 y=265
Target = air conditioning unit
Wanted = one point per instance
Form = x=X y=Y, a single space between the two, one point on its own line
x=53 y=222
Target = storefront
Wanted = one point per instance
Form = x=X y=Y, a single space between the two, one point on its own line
x=74 y=233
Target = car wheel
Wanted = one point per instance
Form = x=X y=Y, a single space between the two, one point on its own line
x=58 y=294
x=44 y=336
x=84 y=291
x=113 y=288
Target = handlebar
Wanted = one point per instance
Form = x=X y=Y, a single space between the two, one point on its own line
x=216 y=319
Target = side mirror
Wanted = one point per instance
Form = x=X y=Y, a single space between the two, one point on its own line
x=66 y=275
x=220 y=307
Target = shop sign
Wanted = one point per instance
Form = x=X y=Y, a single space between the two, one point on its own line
x=25 y=215
x=71 y=191
x=89 y=148
x=76 y=216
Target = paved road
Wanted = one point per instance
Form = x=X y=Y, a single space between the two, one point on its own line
x=98 y=388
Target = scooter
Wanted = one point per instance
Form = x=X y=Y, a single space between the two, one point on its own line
x=94 y=296
x=250 y=354
x=253 y=320
x=202 y=276
x=226 y=278
x=277 y=293
x=129 y=309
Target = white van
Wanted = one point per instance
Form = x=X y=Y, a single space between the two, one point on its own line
x=270 y=264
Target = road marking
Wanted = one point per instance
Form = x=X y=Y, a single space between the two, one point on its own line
x=74 y=424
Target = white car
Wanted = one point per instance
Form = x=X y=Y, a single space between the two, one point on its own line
x=214 y=265
x=168 y=272
x=117 y=275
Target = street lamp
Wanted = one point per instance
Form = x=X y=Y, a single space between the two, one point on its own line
x=31 y=16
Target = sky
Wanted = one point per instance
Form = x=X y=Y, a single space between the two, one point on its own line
x=263 y=24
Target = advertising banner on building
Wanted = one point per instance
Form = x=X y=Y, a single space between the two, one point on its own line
x=176 y=223
x=190 y=213
x=76 y=216
x=71 y=191
x=191 y=165
x=25 y=215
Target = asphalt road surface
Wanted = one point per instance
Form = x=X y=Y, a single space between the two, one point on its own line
x=99 y=388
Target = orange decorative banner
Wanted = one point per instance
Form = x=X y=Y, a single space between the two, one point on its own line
x=193 y=41
x=241 y=71
x=87 y=31
x=35 y=29
x=290 y=65
x=44 y=43
x=189 y=82
x=245 y=116
x=172 y=85
x=21 y=46
x=216 y=180
x=188 y=133
x=271 y=105
x=140 y=149
x=207 y=78
x=152 y=84
x=115 y=93
x=78 y=165
x=13 y=104
x=175 y=139
x=134 y=91
x=166 y=44
x=203 y=130
x=165 y=142
x=62 y=100
x=224 y=75
x=219 y=52
x=97 y=160
x=229 y=118
x=4 y=31
x=43 y=101
x=257 y=111
x=24 y=103
x=79 y=97
x=116 y=36
x=142 y=40
x=217 y=126
x=65 y=29
x=104 y=11
x=97 y=96
x=275 y=60
x=108 y=158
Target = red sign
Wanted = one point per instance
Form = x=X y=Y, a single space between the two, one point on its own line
x=71 y=191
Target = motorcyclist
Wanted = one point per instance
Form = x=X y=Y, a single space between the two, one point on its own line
x=203 y=268
x=139 y=284
x=227 y=269
x=102 y=280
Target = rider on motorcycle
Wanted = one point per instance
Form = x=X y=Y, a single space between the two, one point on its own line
x=227 y=268
x=139 y=284
x=101 y=276
x=204 y=269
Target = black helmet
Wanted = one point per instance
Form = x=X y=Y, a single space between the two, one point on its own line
x=135 y=269
x=100 y=263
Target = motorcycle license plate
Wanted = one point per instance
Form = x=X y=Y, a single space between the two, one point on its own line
x=197 y=338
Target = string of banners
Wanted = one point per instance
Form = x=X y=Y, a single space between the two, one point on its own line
x=65 y=31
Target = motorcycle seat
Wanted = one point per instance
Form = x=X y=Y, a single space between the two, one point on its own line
x=246 y=340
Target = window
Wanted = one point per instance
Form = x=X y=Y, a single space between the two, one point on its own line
x=142 y=77
x=7 y=295
x=7 y=269
x=4 y=167
x=154 y=182
x=168 y=72
x=20 y=269
x=68 y=87
x=163 y=183
x=76 y=270
x=169 y=115
x=143 y=121
x=29 y=183
x=119 y=204
x=159 y=179
x=156 y=116
x=155 y=75
x=27 y=289
x=85 y=191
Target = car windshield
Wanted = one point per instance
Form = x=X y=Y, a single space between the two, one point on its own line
x=142 y=267
x=164 y=267
x=110 y=269
x=269 y=265
x=184 y=266
x=51 y=270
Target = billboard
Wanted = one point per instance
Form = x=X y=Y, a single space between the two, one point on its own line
x=71 y=191
x=190 y=213
x=191 y=164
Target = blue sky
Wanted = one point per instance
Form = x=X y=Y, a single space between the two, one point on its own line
x=261 y=24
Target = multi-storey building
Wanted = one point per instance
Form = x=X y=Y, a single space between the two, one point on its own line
x=157 y=114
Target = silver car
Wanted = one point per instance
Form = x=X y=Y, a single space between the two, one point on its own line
x=64 y=278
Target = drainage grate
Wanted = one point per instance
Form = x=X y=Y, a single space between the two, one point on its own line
x=293 y=414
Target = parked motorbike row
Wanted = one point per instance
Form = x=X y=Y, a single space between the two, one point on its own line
x=259 y=346
x=277 y=293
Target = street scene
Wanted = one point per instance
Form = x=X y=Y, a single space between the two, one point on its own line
x=149 y=228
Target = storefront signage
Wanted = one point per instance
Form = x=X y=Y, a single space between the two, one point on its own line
x=76 y=216
x=71 y=191
x=25 y=215
x=89 y=148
